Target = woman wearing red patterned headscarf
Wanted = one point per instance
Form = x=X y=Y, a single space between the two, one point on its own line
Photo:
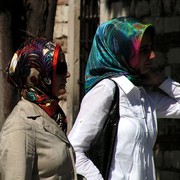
x=33 y=141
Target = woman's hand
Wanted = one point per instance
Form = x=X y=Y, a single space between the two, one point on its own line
x=153 y=78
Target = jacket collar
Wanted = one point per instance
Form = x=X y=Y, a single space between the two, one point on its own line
x=31 y=109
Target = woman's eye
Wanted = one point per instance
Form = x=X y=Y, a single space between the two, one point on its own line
x=61 y=68
x=145 y=50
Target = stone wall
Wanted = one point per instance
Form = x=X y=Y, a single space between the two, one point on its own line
x=61 y=32
x=66 y=32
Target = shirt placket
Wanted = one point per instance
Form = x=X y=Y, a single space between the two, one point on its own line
x=144 y=117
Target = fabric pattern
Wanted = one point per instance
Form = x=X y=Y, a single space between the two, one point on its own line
x=33 y=69
x=114 y=51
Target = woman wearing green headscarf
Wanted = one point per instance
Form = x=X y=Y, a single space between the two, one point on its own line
x=122 y=51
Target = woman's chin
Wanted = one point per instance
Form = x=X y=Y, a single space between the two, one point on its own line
x=61 y=92
x=145 y=71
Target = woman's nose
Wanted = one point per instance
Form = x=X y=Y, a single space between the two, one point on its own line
x=152 y=55
x=68 y=74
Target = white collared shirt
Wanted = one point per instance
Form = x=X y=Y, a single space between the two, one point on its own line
x=137 y=129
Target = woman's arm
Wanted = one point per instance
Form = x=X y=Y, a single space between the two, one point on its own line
x=93 y=112
x=168 y=104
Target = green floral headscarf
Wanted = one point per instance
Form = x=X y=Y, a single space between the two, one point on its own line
x=115 y=51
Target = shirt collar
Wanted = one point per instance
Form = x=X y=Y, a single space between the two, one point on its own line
x=125 y=84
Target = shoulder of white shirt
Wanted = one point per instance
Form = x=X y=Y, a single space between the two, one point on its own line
x=125 y=84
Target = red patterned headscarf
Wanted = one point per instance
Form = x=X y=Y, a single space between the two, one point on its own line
x=33 y=69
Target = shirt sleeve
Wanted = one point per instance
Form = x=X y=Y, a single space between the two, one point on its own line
x=17 y=154
x=93 y=112
x=168 y=104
